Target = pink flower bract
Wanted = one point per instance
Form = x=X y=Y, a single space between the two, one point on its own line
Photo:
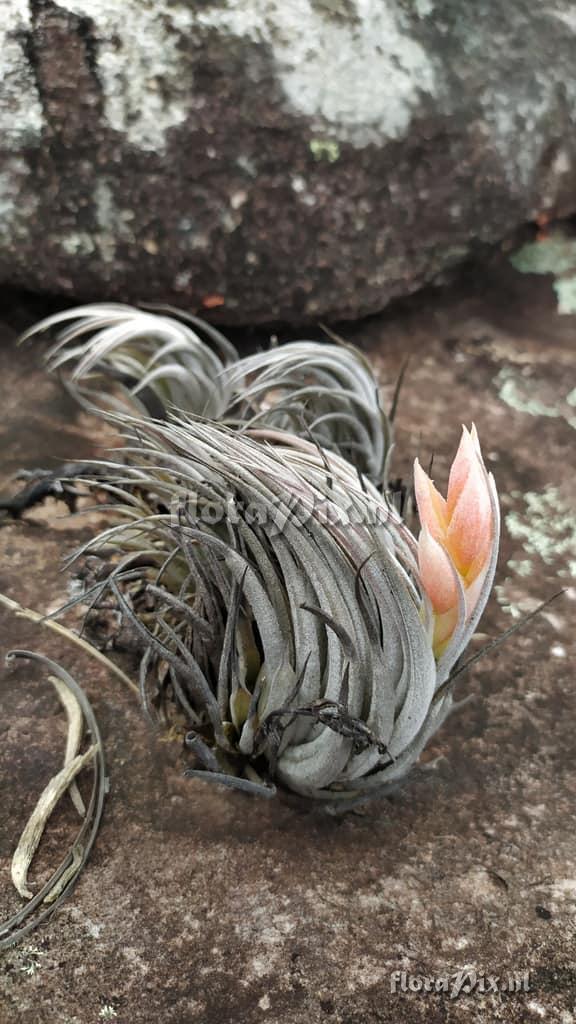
x=458 y=536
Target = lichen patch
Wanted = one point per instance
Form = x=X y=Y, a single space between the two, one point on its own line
x=145 y=84
x=20 y=109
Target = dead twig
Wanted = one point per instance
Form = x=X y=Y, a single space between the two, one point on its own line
x=57 y=627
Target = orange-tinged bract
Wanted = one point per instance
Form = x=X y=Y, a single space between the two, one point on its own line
x=458 y=536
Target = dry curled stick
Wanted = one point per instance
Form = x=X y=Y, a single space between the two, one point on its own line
x=63 y=879
x=74 y=738
x=38 y=820
x=57 y=627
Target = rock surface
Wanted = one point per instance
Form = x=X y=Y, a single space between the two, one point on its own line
x=276 y=161
x=201 y=906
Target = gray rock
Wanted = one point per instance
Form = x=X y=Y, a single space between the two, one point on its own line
x=267 y=161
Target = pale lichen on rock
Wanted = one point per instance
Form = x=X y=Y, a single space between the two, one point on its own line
x=20 y=109
x=363 y=75
x=419 y=132
x=144 y=82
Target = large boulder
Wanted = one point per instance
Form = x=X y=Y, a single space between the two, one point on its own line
x=276 y=159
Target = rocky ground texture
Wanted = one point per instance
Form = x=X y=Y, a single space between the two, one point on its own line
x=201 y=905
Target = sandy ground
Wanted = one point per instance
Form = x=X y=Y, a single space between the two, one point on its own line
x=200 y=905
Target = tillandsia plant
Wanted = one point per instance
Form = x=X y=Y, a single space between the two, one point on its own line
x=119 y=358
x=283 y=609
x=328 y=388
x=286 y=609
x=115 y=357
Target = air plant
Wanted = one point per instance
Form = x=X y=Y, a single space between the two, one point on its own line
x=283 y=609
x=330 y=389
x=115 y=358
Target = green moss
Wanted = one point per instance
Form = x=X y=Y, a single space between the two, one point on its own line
x=325 y=149
x=552 y=256
x=557 y=256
